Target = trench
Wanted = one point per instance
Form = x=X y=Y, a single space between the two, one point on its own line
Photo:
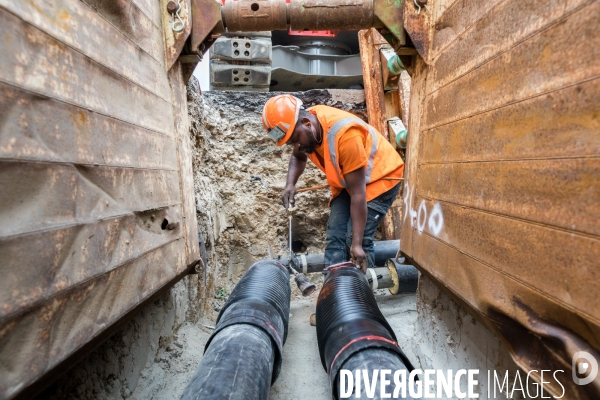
x=238 y=177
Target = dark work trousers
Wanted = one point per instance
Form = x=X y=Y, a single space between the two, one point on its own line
x=339 y=226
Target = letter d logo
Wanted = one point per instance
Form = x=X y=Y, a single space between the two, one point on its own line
x=581 y=368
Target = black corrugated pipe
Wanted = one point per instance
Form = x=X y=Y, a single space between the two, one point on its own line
x=220 y=375
x=242 y=358
x=351 y=329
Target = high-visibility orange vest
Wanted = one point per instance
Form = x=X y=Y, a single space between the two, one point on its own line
x=383 y=161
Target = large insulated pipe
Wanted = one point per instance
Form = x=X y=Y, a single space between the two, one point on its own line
x=405 y=277
x=396 y=277
x=221 y=375
x=307 y=263
x=385 y=249
x=268 y=15
x=350 y=323
x=242 y=358
x=370 y=360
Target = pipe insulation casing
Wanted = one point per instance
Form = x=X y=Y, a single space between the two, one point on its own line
x=385 y=249
x=307 y=263
x=261 y=298
x=349 y=321
x=237 y=365
x=370 y=360
x=405 y=277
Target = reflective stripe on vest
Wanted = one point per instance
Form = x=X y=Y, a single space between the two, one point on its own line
x=334 y=130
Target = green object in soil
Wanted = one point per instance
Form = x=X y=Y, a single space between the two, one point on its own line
x=220 y=294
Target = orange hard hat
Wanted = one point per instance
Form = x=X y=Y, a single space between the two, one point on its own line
x=280 y=115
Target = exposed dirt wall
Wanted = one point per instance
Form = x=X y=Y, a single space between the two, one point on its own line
x=239 y=176
x=446 y=337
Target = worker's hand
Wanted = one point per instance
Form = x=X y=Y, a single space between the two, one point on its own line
x=358 y=257
x=287 y=197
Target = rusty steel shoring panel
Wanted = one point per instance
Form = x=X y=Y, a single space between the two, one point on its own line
x=502 y=185
x=97 y=215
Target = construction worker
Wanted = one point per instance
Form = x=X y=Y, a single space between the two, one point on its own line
x=362 y=168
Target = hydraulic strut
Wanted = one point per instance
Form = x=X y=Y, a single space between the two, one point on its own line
x=269 y=15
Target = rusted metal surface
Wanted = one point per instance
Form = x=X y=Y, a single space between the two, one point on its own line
x=97 y=208
x=571 y=132
x=535 y=259
x=61 y=20
x=38 y=339
x=390 y=77
x=412 y=154
x=86 y=193
x=130 y=20
x=64 y=74
x=184 y=159
x=499 y=301
x=206 y=25
x=392 y=223
x=331 y=14
x=66 y=257
x=57 y=370
x=387 y=227
x=369 y=41
x=175 y=41
x=456 y=19
x=149 y=8
x=391 y=15
x=466 y=52
x=392 y=104
x=534 y=190
x=259 y=15
x=172 y=6
x=396 y=212
x=404 y=95
x=43 y=129
x=255 y=15
x=380 y=105
x=536 y=66
x=502 y=186
x=418 y=27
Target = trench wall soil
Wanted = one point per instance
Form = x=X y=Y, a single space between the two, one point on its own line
x=445 y=337
x=239 y=176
